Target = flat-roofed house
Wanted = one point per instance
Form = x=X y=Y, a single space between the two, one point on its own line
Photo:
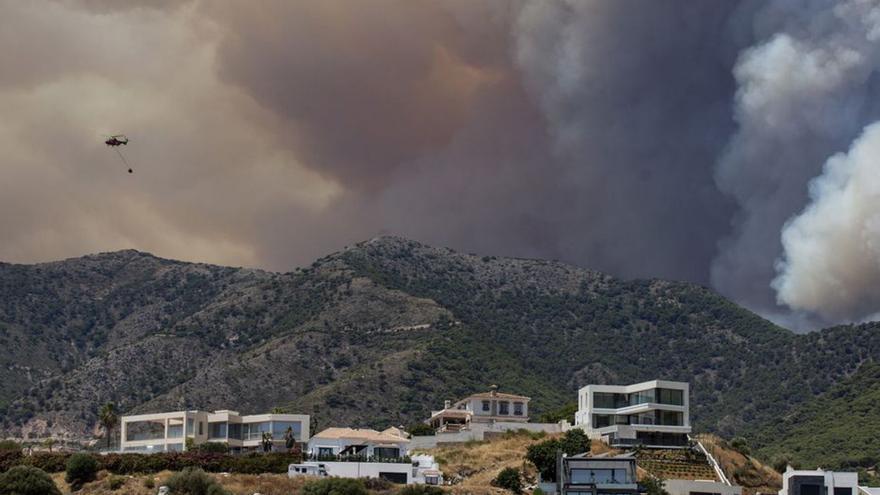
x=651 y=414
x=485 y=407
x=166 y=432
x=583 y=474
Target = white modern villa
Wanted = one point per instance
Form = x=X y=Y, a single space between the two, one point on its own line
x=166 y=432
x=821 y=482
x=485 y=407
x=651 y=414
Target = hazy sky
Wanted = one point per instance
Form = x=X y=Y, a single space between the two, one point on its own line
x=727 y=143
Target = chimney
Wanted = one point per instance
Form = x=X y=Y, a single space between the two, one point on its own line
x=493 y=390
x=447 y=404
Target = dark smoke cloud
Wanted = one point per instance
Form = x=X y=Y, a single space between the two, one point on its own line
x=618 y=135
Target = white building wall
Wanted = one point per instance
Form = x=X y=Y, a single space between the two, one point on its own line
x=685 y=487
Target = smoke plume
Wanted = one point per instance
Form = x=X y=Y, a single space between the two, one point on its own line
x=669 y=139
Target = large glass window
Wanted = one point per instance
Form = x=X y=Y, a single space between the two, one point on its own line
x=641 y=397
x=504 y=408
x=217 y=430
x=607 y=400
x=235 y=431
x=254 y=431
x=144 y=430
x=669 y=418
x=386 y=452
x=670 y=396
x=279 y=429
x=175 y=431
x=601 y=420
x=189 y=426
x=598 y=476
x=517 y=408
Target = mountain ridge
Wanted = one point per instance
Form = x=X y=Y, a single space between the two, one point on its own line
x=381 y=332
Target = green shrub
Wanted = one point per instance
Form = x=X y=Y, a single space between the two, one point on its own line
x=27 y=480
x=653 y=486
x=420 y=490
x=509 y=479
x=214 y=447
x=10 y=445
x=81 y=468
x=335 y=486
x=149 y=482
x=537 y=491
x=543 y=454
x=115 y=482
x=51 y=462
x=192 y=481
x=377 y=484
x=420 y=430
x=740 y=445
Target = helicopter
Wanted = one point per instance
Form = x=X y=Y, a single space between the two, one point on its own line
x=114 y=142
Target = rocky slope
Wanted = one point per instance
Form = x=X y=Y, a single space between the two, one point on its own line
x=380 y=333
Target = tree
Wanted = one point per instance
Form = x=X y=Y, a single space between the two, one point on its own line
x=654 y=486
x=509 y=479
x=108 y=418
x=27 y=480
x=544 y=454
x=278 y=410
x=420 y=430
x=80 y=469
x=49 y=443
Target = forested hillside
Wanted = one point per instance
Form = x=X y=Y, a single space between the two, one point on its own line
x=380 y=333
x=838 y=430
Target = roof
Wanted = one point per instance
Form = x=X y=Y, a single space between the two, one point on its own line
x=498 y=395
x=394 y=431
x=452 y=413
x=365 y=435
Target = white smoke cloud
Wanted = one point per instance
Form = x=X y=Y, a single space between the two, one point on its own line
x=832 y=249
x=804 y=93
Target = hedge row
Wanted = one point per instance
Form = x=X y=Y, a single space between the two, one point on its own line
x=255 y=463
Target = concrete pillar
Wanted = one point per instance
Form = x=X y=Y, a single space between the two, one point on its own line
x=122 y=433
x=165 y=440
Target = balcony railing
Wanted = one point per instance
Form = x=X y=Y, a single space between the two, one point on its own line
x=358 y=458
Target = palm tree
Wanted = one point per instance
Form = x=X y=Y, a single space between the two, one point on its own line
x=108 y=418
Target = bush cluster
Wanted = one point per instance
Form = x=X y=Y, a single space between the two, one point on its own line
x=27 y=480
x=335 y=486
x=420 y=490
x=193 y=481
x=81 y=468
x=256 y=463
x=509 y=479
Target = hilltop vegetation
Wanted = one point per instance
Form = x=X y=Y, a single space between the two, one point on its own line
x=838 y=430
x=380 y=333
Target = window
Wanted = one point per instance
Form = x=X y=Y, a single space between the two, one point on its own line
x=842 y=491
x=235 y=431
x=201 y=428
x=670 y=396
x=325 y=451
x=386 y=452
x=669 y=418
x=641 y=397
x=607 y=400
x=598 y=476
x=217 y=430
x=486 y=406
x=279 y=429
x=504 y=408
x=601 y=420
x=517 y=408
x=189 y=426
